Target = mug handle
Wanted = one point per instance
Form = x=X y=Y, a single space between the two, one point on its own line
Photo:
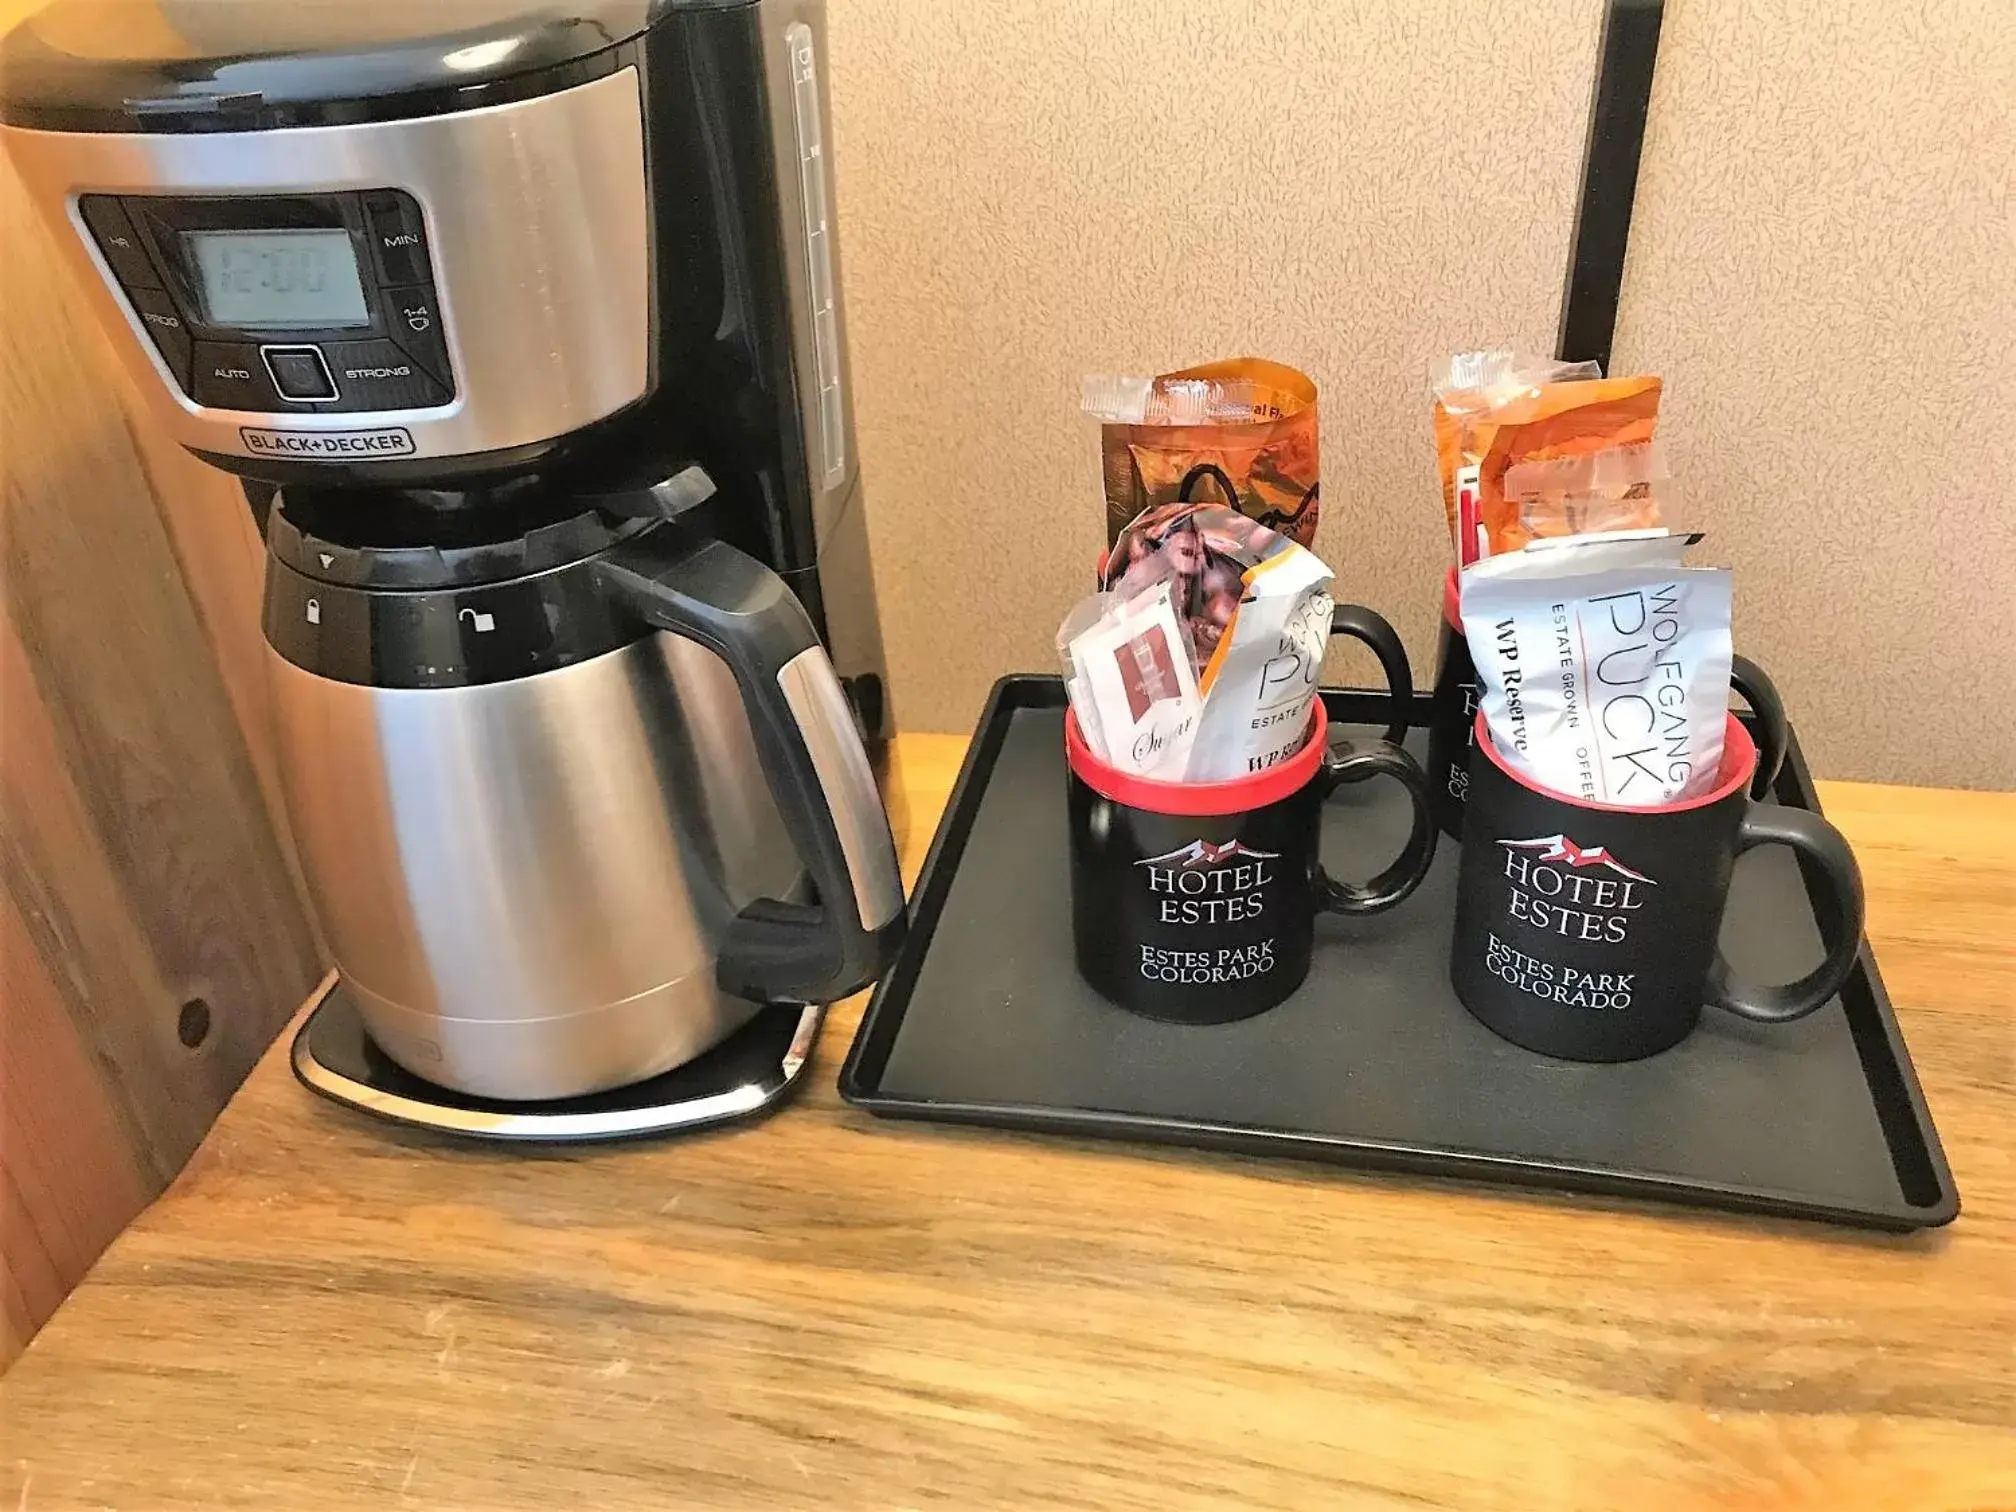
x=1369 y=626
x=1355 y=761
x=1817 y=840
x=1768 y=711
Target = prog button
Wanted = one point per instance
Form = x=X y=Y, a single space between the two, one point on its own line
x=163 y=322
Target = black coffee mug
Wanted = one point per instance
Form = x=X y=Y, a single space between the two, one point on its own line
x=1197 y=902
x=1589 y=931
x=1453 y=713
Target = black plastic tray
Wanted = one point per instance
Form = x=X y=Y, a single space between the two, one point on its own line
x=1373 y=1062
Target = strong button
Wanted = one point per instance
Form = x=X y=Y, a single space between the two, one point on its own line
x=377 y=375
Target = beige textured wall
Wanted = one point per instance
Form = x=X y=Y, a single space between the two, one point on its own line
x=1823 y=265
x=1035 y=189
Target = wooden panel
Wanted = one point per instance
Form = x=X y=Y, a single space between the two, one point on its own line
x=223 y=565
x=67 y=1183
x=144 y=880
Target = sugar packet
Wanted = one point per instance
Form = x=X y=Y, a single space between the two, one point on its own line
x=1604 y=664
x=1132 y=680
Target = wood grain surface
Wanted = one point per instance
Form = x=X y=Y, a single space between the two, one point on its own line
x=142 y=865
x=826 y=1310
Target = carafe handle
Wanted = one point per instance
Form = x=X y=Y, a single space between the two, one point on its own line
x=774 y=951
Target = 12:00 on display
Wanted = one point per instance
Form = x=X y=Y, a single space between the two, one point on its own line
x=278 y=280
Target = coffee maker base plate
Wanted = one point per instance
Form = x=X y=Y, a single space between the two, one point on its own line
x=752 y=1072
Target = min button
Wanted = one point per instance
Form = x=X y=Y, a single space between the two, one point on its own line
x=398 y=236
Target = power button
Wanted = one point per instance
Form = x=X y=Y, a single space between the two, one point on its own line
x=299 y=373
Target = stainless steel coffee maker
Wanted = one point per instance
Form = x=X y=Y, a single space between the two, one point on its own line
x=521 y=321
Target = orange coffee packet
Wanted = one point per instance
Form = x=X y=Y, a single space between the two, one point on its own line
x=1577 y=450
x=1240 y=433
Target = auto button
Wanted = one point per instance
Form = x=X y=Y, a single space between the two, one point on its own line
x=229 y=375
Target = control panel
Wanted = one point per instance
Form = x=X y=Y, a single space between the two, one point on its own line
x=830 y=459
x=282 y=304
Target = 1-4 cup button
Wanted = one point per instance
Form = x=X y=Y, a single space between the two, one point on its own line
x=415 y=320
x=416 y=312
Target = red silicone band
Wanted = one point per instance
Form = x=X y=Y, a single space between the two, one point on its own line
x=1241 y=795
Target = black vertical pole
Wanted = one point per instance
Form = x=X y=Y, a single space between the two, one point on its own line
x=1629 y=48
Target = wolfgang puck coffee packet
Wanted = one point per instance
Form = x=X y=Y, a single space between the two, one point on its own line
x=1240 y=433
x=1530 y=449
x=1604 y=664
x=1256 y=608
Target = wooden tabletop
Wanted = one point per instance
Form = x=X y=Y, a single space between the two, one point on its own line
x=826 y=1310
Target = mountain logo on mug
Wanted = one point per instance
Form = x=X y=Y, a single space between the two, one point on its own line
x=1561 y=848
x=1197 y=902
x=1551 y=888
x=1204 y=853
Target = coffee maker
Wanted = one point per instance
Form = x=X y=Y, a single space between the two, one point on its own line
x=520 y=322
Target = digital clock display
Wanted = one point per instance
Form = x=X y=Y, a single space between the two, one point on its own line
x=278 y=280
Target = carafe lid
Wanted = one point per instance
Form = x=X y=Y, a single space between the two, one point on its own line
x=396 y=539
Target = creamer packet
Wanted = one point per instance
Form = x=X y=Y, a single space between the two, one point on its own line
x=1131 y=681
